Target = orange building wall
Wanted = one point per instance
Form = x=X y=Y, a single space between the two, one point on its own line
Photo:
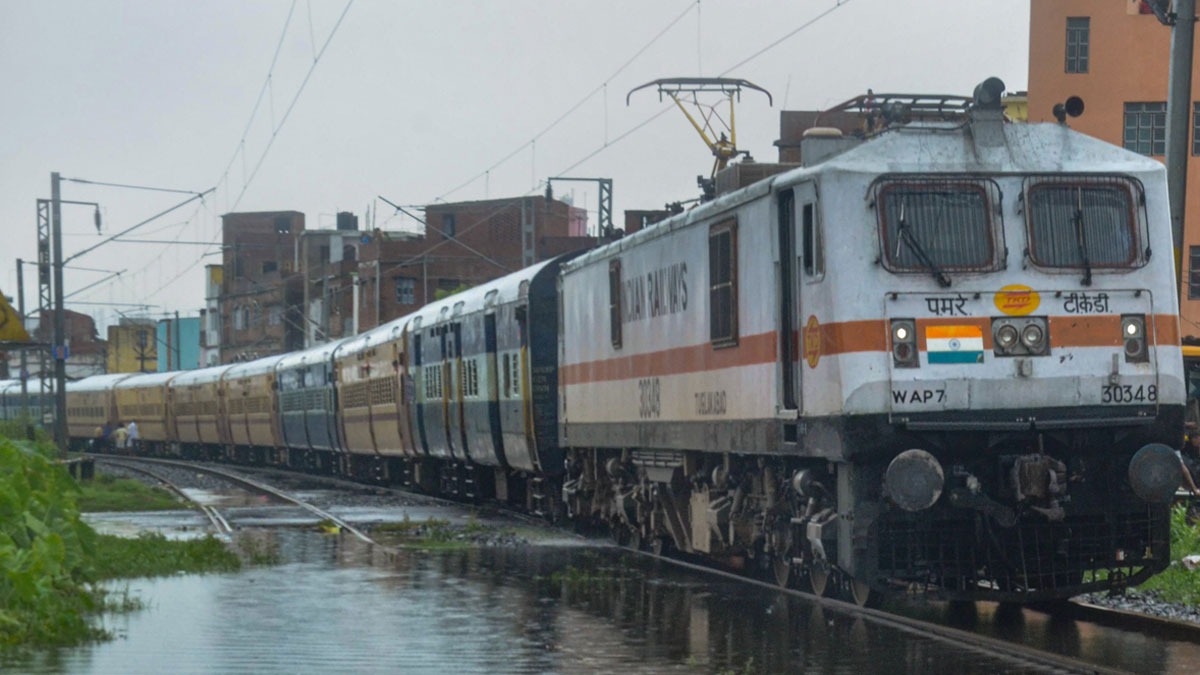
x=1129 y=62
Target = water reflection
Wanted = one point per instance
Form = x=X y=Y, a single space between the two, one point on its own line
x=338 y=605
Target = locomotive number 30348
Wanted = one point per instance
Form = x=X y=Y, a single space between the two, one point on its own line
x=649 y=398
x=1128 y=393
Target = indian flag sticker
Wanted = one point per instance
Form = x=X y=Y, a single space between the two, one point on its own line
x=954 y=344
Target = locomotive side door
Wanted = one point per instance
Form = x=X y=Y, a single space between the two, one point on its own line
x=799 y=265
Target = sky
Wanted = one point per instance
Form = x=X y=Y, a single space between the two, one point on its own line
x=322 y=106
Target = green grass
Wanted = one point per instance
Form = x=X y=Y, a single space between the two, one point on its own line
x=153 y=555
x=108 y=493
x=1176 y=583
x=432 y=534
x=51 y=561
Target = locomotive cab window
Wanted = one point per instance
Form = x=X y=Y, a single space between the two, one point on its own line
x=937 y=225
x=614 y=303
x=1083 y=223
x=722 y=284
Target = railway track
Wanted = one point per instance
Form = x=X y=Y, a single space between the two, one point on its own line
x=219 y=522
x=1015 y=653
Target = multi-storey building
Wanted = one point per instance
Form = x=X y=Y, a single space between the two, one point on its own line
x=132 y=347
x=1115 y=55
x=464 y=244
x=261 y=291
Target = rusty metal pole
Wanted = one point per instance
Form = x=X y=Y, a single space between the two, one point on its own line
x=1179 y=99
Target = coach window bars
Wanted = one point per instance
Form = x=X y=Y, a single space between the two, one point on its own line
x=937 y=225
x=1084 y=222
x=722 y=284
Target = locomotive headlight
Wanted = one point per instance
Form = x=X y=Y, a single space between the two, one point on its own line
x=904 y=344
x=1032 y=336
x=1006 y=336
x=1133 y=334
x=1132 y=327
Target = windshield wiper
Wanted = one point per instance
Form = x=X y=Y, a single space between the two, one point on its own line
x=909 y=238
x=1081 y=239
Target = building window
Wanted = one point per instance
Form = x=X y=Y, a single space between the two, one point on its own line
x=1196 y=128
x=1078 y=40
x=1194 y=273
x=269 y=266
x=406 y=288
x=1146 y=128
x=283 y=224
x=239 y=319
x=722 y=284
x=614 y=303
x=449 y=225
x=274 y=315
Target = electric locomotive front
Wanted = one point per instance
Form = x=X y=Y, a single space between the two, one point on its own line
x=959 y=376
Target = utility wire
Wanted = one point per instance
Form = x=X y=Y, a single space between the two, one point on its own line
x=274 y=132
x=292 y=105
x=789 y=35
x=587 y=97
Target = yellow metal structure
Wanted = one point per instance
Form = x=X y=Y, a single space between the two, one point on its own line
x=718 y=132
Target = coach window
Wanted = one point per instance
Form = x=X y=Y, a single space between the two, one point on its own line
x=722 y=284
x=614 y=302
x=1083 y=223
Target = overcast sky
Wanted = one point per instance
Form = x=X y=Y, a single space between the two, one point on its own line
x=414 y=101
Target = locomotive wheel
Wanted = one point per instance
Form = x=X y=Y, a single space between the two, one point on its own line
x=782 y=569
x=660 y=546
x=620 y=533
x=634 y=540
x=861 y=593
x=819 y=580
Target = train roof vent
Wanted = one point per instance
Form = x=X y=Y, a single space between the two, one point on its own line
x=820 y=143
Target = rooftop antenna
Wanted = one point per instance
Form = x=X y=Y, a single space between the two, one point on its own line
x=718 y=132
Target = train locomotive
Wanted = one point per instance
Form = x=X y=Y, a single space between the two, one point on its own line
x=937 y=358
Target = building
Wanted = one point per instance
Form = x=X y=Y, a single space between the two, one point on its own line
x=132 y=347
x=178 y=341
x=210 y=316
x=85 y=350
x=329 y=268
x=1115 y=55
x=259 y=305
x=464 y=244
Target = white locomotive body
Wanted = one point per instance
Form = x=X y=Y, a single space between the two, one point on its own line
x=944 y=358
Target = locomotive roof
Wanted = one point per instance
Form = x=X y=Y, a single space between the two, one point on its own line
x=97 y=382
x=147 y=380
x=925 y=148
x=941 y=148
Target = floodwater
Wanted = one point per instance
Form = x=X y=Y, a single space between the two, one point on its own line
x=337 y=605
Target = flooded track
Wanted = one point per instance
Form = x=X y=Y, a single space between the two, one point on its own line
x=553 y=604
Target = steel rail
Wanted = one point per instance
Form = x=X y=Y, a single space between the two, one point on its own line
x=264 y=488
x=995 y=647
x=219 y=523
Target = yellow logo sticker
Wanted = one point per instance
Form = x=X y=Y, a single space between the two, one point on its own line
x=812 y=342
x=1017 y=300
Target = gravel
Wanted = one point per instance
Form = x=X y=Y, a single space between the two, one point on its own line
x=1144 y=602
